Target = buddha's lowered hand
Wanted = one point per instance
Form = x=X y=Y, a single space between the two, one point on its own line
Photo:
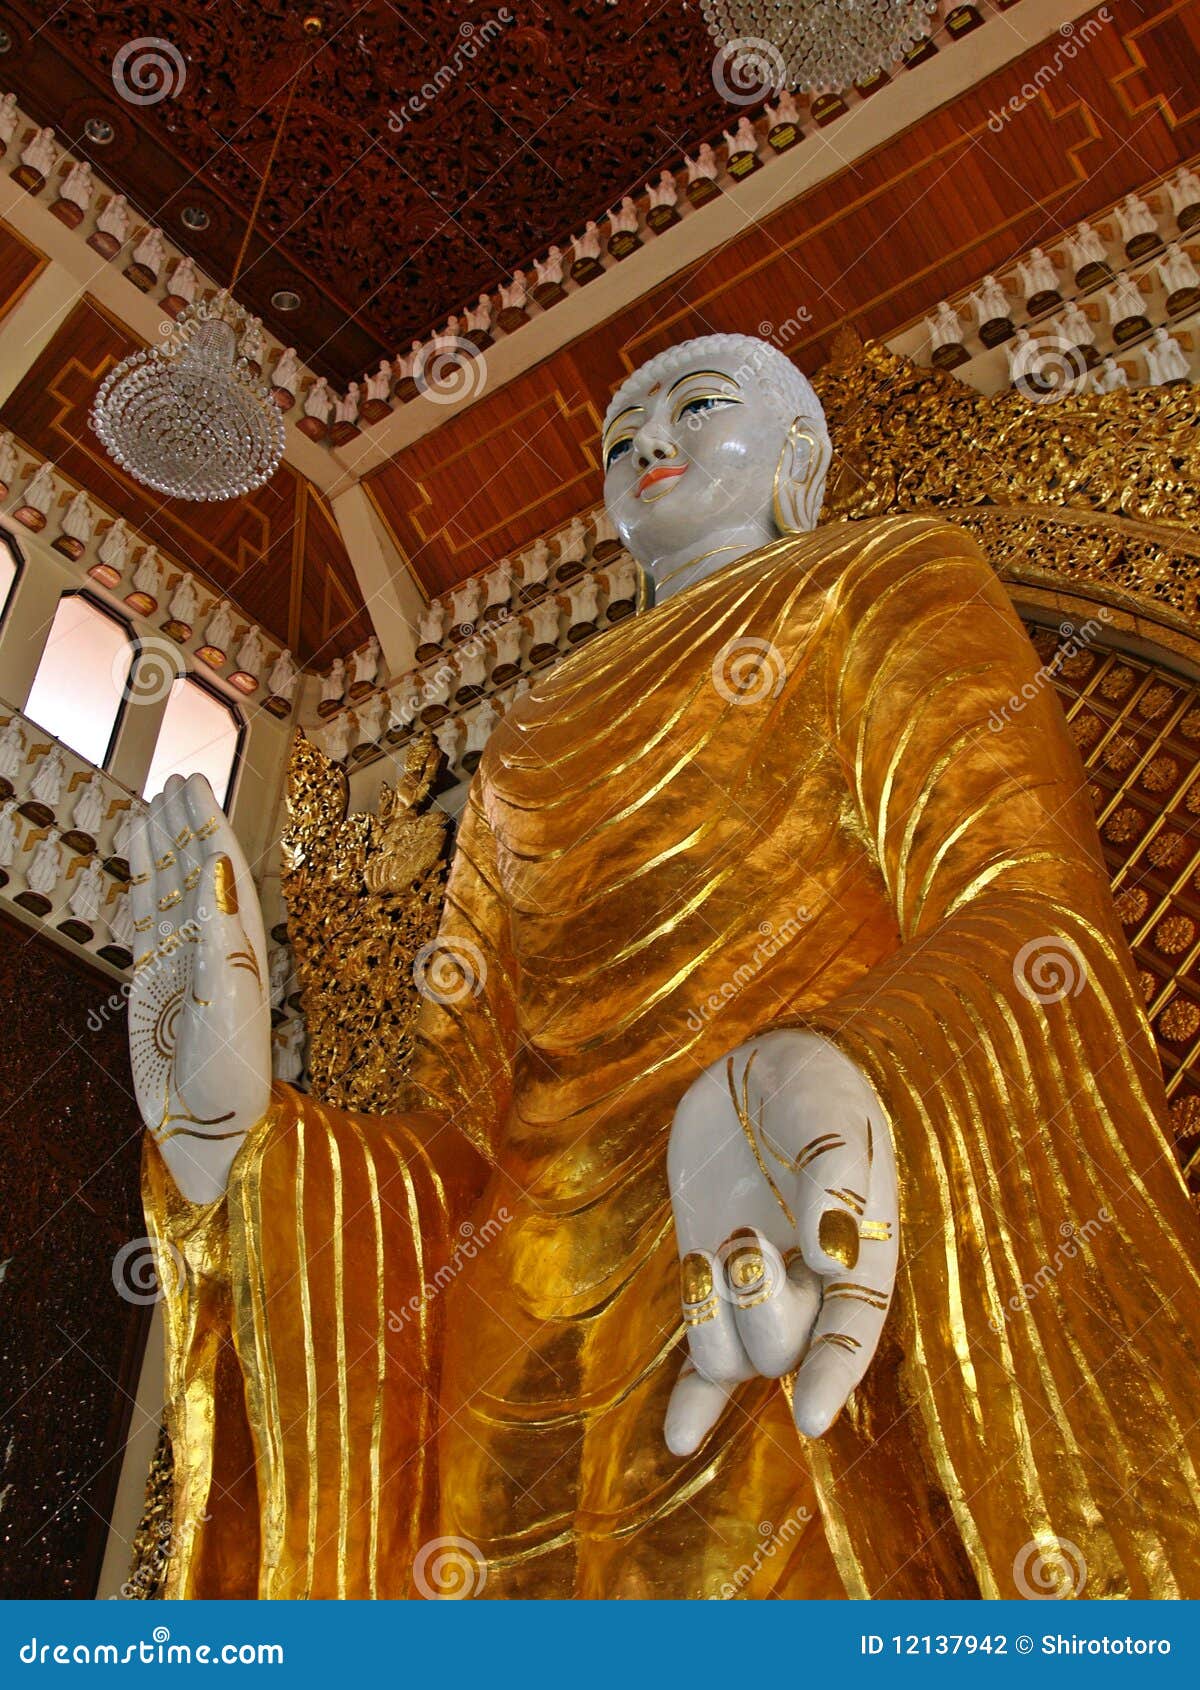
x=783 y=1183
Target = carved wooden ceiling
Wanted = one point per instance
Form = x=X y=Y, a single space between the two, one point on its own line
x=432 y=147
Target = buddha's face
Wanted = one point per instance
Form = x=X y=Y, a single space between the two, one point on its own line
x=690 y=457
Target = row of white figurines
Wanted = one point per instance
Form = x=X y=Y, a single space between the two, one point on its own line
x=94 y=894
x=45 y=779
x=1165 y=360
x=215 y=619
x=461 y=734
x=1039 y=273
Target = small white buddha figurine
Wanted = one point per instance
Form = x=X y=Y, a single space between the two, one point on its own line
x=404 y=702
x=318 y=401
x=8 y=460
x=84 y=902
x=535 y=563
x=48 y=777
x=624 y=219
x=38 y=492
x=120 y=921
x=372 y=718
x=130 y=824
x=1108 y=376
x=38 y=152
x=472 y=663
x=944 y=327
x=1176 y=270
x=783 y=110
x=1134 y=217
x=506 y=643
x=150 y=251
x=1036 y=274
x=339 y=735
x=77 y=185
x=584 y=596
x=705 y=167
x=148 y=576
x=113 y=220
x=431 y=623
x=604 y=531
x=379 y=385
x=218 y=631
x=1124 y=300
x=743 y=138
x=10 y=116
x=333 y=682
x=448 y=734
x=1165 y=359
x=479 y=723
x=79 y=520
x=251 y=652
x=284 y=674
x=544 y=619
x=550 y=269
x=1075 y=325
x=989 y=301
x=1085 y=247
x=406 y=364
x=364 y=663
x=251 y=345
x=114 y=545
x=286 y=374
x=498 y=586
x=664 y=192
x=185 y=601
x=45 y=869
x=585 y=248
x=436 y=683
x=184 y=283
x=464 y=604
x=279 y=973
x=621 y=580
x=479 y=316
x=88 y=814
x=1183 y=189
x=1023 y=353
x=572 y=542
x=345 y=408
x=287 y=1051
x=8 y=832
x=12 y=748
x=513 y=294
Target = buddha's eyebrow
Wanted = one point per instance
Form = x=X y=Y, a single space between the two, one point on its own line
x=718 y=375
x=620 y=417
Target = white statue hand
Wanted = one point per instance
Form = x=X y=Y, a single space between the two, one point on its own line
x=199 y=1017
x=783 y=1183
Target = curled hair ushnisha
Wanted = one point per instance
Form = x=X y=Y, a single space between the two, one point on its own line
x=743 y=356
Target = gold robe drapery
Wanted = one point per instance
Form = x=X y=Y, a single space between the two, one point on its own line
x=464 y=1324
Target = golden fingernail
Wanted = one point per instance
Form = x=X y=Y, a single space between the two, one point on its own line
x=225 y=888
x=695 y=1278
x=838 y=1236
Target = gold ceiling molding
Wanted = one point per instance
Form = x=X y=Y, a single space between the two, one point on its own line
x=1096 y=495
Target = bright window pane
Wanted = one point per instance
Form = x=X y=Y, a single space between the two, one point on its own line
x=80 y=681
x=8 y=574
x=199 y=736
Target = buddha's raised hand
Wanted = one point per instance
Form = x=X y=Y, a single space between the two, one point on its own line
x=199 y=1016
x=783 y=1183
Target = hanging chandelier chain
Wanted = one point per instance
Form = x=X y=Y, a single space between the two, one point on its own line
x=293 y=84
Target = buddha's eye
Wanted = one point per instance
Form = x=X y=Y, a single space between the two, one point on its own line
x=617 y=450
x=703 y=403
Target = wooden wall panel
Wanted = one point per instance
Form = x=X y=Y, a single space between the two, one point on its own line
x=20 y=265
x=251 y=549
x=959 y=193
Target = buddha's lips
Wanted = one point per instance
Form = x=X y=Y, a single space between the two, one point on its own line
x=660 y=472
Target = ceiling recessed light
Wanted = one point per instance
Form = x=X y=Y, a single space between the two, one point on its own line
x=194 y=217
x=99 y=131
x=283 y=299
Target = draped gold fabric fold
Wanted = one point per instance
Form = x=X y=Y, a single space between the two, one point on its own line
x=653 y=867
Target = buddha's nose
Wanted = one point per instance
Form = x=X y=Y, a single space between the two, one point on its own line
x=654 y=448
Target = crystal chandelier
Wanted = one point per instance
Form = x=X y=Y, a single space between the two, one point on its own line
x=189 y=418
x=813 y=45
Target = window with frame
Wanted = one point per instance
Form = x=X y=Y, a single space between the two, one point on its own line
x=200 y=734
x=82 y=680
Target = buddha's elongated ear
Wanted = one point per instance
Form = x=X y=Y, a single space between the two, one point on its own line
x=800 y=476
